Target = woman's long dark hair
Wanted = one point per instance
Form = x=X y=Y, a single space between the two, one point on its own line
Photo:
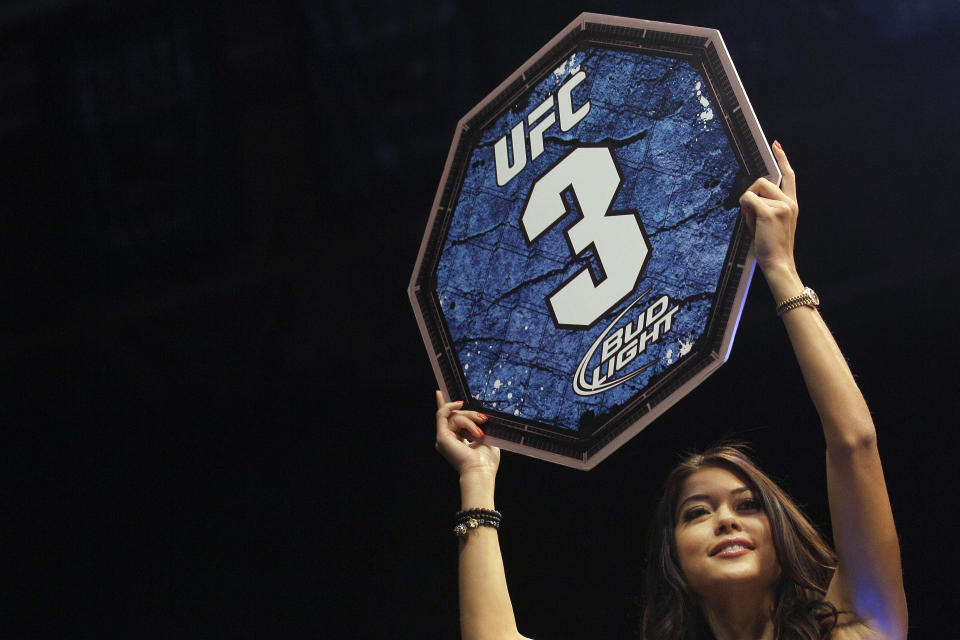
x=806 y=561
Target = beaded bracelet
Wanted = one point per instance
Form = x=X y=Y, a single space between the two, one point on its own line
x=463 y=527
x=492 y=513
x=473 y=518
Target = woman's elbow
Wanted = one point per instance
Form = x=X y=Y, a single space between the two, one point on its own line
x=852 y=438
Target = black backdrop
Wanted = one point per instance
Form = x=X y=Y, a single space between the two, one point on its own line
x=217 y=407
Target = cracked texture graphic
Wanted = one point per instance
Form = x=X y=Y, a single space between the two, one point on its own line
x=678 y=175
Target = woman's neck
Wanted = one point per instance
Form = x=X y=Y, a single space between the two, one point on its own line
x=740 y=616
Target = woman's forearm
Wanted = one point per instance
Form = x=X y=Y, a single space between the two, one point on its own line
x=485 y=608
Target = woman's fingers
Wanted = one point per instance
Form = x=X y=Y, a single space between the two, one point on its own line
x=764 y=188
x=789 y=181
x=445 y=409
x=749 y=202
x=765 y=199
x=450 y=419
x=466 y=422
x=442 y=404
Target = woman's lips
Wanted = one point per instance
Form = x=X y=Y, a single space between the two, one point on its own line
x=731 y=548
x=732 y=552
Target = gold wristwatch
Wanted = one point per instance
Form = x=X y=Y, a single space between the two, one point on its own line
x=807 y=298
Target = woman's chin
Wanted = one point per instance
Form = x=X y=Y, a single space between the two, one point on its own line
x=746 y=578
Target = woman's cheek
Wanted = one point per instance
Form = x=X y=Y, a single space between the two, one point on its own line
x=687 y=546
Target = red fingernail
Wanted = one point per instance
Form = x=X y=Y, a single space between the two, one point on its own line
x=481 y=432
x=458 y=402
x=482 y=417
x=776 y=143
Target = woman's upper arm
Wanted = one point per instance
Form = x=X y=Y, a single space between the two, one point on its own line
x=869 y=578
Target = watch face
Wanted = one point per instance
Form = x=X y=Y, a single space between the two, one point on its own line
x=813 y=295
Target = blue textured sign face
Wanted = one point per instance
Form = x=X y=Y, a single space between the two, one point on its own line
x=585 y=263
x=647 y=208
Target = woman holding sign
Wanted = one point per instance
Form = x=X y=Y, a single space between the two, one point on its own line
x=731 y=555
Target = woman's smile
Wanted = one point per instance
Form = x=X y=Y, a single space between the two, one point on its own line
x=732 y=548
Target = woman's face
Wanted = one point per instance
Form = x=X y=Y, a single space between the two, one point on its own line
x=723 y=535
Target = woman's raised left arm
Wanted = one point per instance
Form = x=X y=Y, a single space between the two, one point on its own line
x=869 y=579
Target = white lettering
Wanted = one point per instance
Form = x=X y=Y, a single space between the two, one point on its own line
x=505 y=171
x=628 y=334
x=619 y=347
x=536 y=128
x=536 y=132
x=611 y=345
x=597 y=378
x=628 y=354
x=656 y=310
x=569 y=118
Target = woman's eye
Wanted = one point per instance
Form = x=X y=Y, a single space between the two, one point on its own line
x=693 y=514
x=750 y=505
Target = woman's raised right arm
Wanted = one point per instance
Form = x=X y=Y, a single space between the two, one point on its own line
x=485 y=609
x=869 y=578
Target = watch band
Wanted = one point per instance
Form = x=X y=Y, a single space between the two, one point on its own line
x=807 y=298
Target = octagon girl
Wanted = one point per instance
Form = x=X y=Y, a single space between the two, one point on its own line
x=731 y=556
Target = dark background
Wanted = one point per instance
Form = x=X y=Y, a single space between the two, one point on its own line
x=217 y=407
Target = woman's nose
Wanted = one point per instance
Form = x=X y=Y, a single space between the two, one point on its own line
x=727 y=521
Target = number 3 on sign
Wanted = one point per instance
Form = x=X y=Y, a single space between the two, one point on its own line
x=617 y=238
